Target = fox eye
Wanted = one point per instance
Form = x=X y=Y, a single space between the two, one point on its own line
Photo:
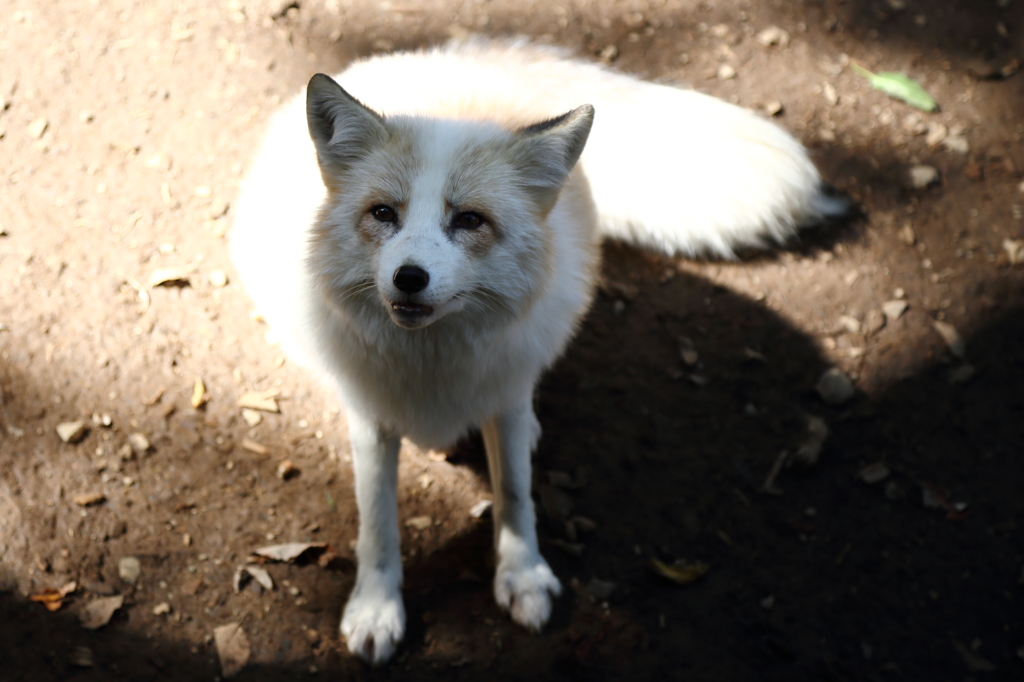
x=467 y=220
x=384 y=214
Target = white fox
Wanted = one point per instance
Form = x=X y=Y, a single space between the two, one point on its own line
x=432 y=252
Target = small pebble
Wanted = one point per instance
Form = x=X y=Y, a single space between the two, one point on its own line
x=850 y=323
x=726 y=72
x=922 y=176
x=893 y=310
x=936 y=134
x=419 y=522
x=287 y=470
x=957 y=143
x=1014 y=249
x=129 y=570
x=874 y=473
x=81 y=657
x=37 y=127
x=834 y=387
x=138 y=443
x=608 y=54
x=949 y=334
x=773 y=35
x=962 y=374
x=907 y=235
x=251 y=417
x=72 y=432
x=218 y=278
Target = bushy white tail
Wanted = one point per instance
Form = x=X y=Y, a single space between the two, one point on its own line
x=671 y=169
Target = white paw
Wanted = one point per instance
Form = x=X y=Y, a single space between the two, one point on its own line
x=374 y=623
x=525 y=591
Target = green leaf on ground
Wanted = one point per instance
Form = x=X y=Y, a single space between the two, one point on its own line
x=900 y=86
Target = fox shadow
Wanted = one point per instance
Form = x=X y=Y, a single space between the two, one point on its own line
x=667 y=455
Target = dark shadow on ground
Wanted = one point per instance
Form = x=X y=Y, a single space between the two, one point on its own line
x=834 y=579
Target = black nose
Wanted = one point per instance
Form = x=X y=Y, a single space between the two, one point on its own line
x=411 y=279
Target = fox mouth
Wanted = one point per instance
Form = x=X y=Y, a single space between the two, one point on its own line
x=409 y=309
x=411 y=315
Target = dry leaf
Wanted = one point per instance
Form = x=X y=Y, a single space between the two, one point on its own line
x=89 y=499
x=53 y=599
x=290 y=551
x=681 y=572
x=232 y=648
x=99 y=611
x=949 y=334
x=260 y=400
x=260 y=575
x=162 y=277
x=199 y=394
x=419 y=522
x=253 y=446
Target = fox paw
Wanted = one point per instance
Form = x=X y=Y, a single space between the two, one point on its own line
x=526 y=591
x=373 y=626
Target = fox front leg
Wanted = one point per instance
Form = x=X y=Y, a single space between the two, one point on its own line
x=524 y=583
x=374 y=618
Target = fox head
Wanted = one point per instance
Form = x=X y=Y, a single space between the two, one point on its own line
x=429 y=217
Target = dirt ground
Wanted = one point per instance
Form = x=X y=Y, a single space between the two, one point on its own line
x=126 y=127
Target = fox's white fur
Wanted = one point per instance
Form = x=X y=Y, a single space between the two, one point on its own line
x=441 y=254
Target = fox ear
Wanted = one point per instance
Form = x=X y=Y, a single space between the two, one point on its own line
x=546 y=152
x=343 y=128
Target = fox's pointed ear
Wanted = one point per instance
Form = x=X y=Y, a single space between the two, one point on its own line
x=343 y=128
x=546 y=152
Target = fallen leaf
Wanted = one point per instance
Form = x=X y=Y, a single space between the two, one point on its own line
x=89 y=499
x=53 y=599
x=973 y=661
x=99 y=611
x=1014 y=249
x=199 y=394
x=573 y=548
x=481 y=508
x=81 y=657
x=260 y=400
x=900 y=86
x=253 y=446
x=261 y=576
x=934 y=497
x=244 y=573
x=949 y=334
x=681 y=572
x=874 y=473
x=157 y=397
x=419 y=522
x=289 y=552
x=810 y=449
x=50 y=598
x=163 y=277
x=232 y=648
